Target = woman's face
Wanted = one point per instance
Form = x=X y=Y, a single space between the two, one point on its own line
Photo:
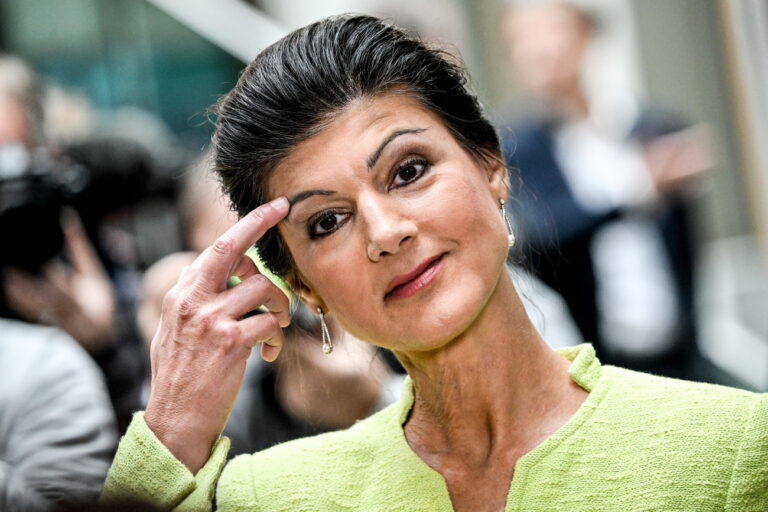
x=394 y=228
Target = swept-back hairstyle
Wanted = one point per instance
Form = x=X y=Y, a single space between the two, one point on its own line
x=295 y=87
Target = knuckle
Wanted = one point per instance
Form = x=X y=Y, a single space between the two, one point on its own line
x=228 y=336
x=224 y=334
x=271 y=324
x=223 y=245
x=207 y=318
x=282 y=299
x=170 y=300
x=187 y=307
x=279 y=305
x=260 y=281
x=257 y=214
x=257 y=286
x=265 y=329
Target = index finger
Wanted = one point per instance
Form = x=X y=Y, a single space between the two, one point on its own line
x=217 y=262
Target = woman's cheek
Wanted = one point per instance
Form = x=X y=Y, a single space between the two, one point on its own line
x=341 y=279
x=458 y=204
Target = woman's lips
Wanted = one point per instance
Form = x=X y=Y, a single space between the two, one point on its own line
x=414 y=281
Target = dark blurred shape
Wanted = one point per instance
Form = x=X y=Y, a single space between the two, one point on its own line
x=95 y=177
x=30 y=208
x=120 y=172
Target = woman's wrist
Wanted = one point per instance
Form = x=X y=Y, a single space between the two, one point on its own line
x=189 y=443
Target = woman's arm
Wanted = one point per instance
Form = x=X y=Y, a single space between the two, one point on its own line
x=145 y=470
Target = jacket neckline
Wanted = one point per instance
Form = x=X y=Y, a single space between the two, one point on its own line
x=415 y=478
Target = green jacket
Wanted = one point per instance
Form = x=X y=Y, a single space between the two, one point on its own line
x=638 y=443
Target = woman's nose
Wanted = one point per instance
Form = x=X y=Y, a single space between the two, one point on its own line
x=388 y=229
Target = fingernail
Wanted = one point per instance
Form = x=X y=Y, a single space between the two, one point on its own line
x=280 y=204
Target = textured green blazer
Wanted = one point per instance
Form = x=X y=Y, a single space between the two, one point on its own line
x=638 y=443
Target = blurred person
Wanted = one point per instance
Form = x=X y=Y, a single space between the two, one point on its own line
x=370 y=180
x=57 y=428
x=34 y=186
x=54 y=200
x=603 y=200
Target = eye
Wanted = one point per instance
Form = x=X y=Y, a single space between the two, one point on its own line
x=408 y=172
x=326 y=223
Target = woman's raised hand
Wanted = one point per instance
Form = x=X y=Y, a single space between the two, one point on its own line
x=199 y=351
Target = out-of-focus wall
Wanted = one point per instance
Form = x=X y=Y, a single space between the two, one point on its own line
x=745 y=36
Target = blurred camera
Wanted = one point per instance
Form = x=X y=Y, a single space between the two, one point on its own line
x=33 y=189
x=94 y=177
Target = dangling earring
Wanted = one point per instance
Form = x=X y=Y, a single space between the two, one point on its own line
x=327 y=345
x=510 y=233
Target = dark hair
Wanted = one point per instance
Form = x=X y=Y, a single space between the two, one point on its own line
x=295 y=87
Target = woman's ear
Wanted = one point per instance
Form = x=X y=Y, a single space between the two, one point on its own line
x=498 y=177
x=305 y=293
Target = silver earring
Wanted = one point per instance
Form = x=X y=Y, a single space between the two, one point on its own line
x=327 y=345
x=510 y=233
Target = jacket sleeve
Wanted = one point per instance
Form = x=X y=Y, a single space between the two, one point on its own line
x=57 y=450
x=748 y=491
x=144 y=470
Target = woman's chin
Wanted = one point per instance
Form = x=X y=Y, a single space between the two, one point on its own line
x=435 y=325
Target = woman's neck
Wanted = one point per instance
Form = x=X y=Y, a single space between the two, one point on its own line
x=495 y=389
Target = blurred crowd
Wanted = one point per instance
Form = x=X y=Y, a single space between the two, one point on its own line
x=98 y=220
x=604 y=197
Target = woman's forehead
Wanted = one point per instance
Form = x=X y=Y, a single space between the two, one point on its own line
x=351 y=137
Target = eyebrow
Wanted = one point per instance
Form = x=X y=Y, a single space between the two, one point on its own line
x=309 y=193
x=392 y=136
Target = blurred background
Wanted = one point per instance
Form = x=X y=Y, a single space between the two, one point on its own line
x=129 y=83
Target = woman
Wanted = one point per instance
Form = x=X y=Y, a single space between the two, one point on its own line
x=386 y=189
